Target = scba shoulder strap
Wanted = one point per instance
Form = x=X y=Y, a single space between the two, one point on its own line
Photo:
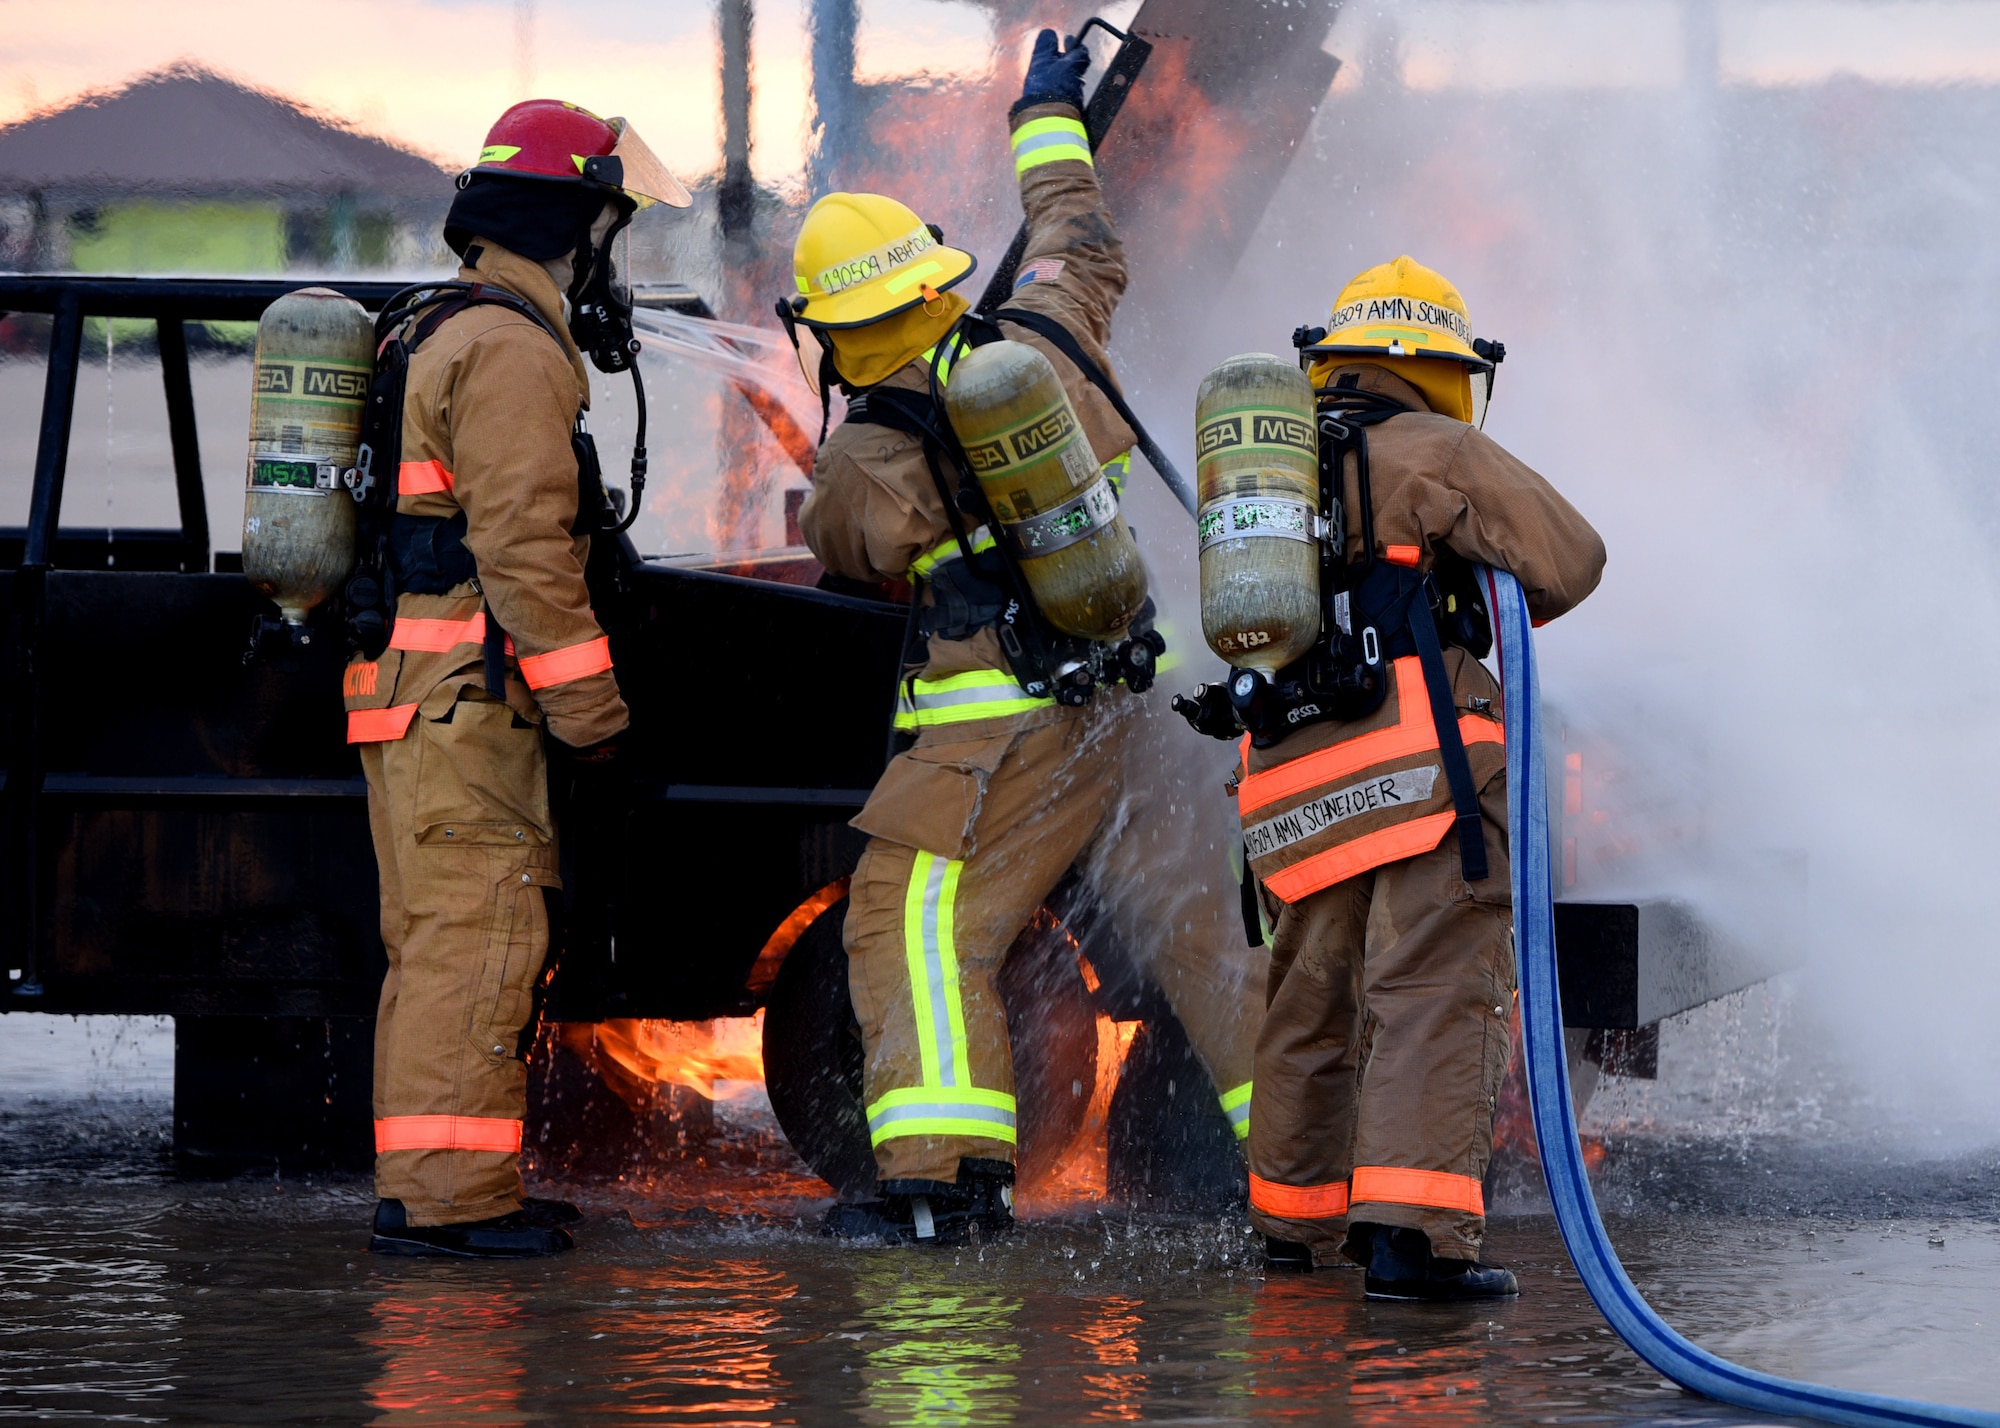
x=1019 y=623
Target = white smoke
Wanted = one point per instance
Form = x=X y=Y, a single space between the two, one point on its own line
x=1751 y=336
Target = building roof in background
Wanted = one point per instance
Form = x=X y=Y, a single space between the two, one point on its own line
x=186 y=130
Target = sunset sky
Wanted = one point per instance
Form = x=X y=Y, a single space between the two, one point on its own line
x=433 y=74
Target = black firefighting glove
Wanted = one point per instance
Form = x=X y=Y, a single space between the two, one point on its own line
x=598 y=754
x=591 y=781
x=1055 y=74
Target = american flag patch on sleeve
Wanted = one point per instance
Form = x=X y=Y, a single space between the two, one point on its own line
x=1042 y=270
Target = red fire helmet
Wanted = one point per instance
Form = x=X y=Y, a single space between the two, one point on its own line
x=551 y=139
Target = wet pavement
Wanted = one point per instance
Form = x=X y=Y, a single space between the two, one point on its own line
x=707 y=1297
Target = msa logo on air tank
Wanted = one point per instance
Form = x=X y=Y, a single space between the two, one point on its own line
x=1255 y=429
x=336 y=382
x=1044 y=434
x=289 y=379
x=987 y=456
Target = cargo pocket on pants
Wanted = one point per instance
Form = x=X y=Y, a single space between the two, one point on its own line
x=930 y=795
x=482 y=775
x=517 y=946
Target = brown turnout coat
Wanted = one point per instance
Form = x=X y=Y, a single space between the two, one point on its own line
x=486 y=430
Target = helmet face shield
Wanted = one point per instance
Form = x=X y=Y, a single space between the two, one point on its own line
x=641 y=174
x=1482 y=391
x=810 y=345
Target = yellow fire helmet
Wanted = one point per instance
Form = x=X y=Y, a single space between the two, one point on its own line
x=1408 y=318
x=861 y=257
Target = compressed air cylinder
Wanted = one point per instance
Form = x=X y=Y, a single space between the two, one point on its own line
x=315 y=359
x=1257 y=469
x=1058 y=512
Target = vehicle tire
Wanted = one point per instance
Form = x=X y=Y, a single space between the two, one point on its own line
x=813 y=1058
x=813 y=1054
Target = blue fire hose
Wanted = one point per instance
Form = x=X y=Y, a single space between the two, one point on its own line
x=1548 y=1089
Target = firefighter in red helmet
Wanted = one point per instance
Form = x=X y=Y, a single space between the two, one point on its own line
x=487 y=648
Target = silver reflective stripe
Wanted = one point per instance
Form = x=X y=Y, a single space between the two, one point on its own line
x=957 y=698
x=1246 y=517
x=1238 y=1115
x=934 y=973
x=1079 y=518
x=1390 y=790
x=1060 y=139
x=941 y=1110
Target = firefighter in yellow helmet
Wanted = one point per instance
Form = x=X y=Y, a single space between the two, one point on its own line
x=1017 y=771
x=1374 y=805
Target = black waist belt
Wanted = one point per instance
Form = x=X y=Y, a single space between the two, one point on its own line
x=429 y=554
x=965 y=599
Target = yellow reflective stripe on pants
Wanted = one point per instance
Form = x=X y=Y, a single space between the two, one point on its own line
x=1044 y=141
x=1236 y=1106
x=980 y=538
x=947 y=1103
x=976 y=694
x=933 y=1110
x=934 y=968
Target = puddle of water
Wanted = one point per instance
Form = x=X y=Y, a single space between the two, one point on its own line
x=707 y=1297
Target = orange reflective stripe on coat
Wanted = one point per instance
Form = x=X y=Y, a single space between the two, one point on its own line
x=1410 y=555
x=1298 y=1202
x=1434 y=1189
x=437 y=636
x=1338 y=864
x=570 y=662
x=440 y=636
x=379 y=726
x=1412 y=733
x=422 y=478
x=447 y=1133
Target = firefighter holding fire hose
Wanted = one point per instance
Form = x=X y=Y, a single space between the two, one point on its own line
x=980 y=459
x=1344 y=509
x=480 y=638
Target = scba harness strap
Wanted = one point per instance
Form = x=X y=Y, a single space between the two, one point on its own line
x=427 y=555
x=983 y=587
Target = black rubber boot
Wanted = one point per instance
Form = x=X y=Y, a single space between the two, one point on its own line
x=548 y=1214
x=1287 y=1255
x=932 y=1212
x=513 y=1236
x=1401 y=1266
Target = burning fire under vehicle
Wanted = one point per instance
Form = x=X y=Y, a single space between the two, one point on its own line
x=185 y=833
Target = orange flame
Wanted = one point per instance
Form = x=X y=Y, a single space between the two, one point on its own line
x=1081 y=1174
x=720 y=1059
x=771 y=959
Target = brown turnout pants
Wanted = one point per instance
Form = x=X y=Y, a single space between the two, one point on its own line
x=459 y=812
x=972 y=829
x=1383 y=1048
